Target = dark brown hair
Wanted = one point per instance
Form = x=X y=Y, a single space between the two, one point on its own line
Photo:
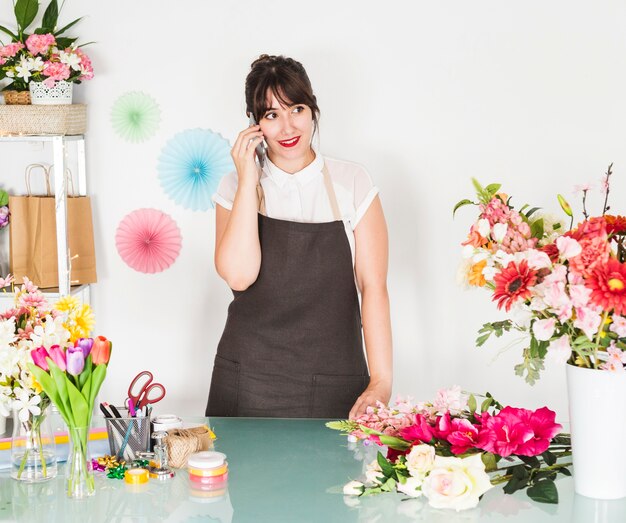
x=285 y=78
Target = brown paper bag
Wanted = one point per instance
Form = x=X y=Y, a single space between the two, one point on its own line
x=33 y=239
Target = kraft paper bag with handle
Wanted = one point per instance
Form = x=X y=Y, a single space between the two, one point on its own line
x=33 y=237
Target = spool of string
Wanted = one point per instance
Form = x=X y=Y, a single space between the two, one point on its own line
x=181 y=443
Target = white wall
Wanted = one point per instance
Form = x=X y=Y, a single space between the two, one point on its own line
x=425 y=94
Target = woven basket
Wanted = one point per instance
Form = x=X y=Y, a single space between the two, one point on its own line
x=16 y=97
x=43 y=119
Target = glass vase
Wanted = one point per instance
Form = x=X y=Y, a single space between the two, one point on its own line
x=79 y=473
x=33 y=452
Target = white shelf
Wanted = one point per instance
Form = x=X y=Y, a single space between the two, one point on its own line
x=7 y=299
x=39 y=137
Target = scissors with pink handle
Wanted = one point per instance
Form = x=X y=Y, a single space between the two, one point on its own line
x=143 y=392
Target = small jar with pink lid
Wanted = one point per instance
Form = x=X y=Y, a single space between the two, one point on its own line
x=208 y=469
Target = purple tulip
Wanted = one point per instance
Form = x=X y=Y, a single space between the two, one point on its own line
x=39 y=357
x=58 y=356
x=85 y=344
x=75 y=361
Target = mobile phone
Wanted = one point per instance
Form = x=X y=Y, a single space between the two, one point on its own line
x=260 y=148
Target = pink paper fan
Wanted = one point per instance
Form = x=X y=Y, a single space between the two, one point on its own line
x=148 y=240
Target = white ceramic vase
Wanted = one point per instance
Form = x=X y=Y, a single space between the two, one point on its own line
x=597 y=413
x=60 y=94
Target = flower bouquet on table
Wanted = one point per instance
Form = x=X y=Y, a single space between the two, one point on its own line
x=46 y=356
x=43 y=55
x=565 y=288
x=452 y=451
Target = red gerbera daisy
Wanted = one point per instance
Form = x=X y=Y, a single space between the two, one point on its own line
x=513 y=284
x=608 y=286
x=615 y=224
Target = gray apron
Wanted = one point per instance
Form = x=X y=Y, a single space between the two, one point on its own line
x=292 y=344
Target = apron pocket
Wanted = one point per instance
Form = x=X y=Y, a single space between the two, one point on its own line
x=334 y=396
x=224 y=393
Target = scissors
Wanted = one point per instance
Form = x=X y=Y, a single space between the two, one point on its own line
x=140 y=395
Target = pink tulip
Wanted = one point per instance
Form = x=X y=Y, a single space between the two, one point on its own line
x=39 y=358
x=58 y=356
x=101 y=350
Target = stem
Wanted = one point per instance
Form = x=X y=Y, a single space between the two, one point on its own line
x=585 y=206
x=595 y=348
x=501 y=479
x=609 y=172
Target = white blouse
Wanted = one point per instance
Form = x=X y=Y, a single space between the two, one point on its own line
x=301 y=197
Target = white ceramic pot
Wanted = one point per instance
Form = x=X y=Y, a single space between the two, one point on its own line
x=60 y=94
x=597 y=413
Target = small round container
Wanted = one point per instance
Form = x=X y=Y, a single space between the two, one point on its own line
x=207 y=469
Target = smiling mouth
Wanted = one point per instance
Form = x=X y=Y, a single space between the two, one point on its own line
x=289 y=143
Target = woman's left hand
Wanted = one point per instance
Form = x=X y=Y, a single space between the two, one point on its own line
x=376 y=391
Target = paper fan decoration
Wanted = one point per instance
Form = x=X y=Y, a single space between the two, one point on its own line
x=148 y=240
x=191 y=165
x=135 y=116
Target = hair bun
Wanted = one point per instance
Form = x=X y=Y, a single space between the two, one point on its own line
x=262 y=58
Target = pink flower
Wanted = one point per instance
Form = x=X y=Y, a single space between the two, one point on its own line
x=4 y=282
x=559 y=350
x=618 y=325
x=544 y=329
x=40 y=44
x=504 y=433
x=593 y=239
x=55 y=71
x=568 y=247
x=616 y=361
x=33 y=299
x=588 y=320
x=10 y=50
x=544 y=429
x=450 y=400
x=464 y=436
x=58 y=356
x=420 y=431
x=39 y=358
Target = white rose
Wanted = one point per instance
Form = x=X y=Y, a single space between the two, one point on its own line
x=373 y=472
x=411 y=487
x=353 y=488
x=420 y=460
x=456 y=483
x=499 y=231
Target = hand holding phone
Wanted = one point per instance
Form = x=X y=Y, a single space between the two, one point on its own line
x=261 y=148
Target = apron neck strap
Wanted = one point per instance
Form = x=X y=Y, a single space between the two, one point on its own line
x=330 y=191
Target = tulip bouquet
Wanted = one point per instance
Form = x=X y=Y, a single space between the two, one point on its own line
x=46 y=355
x=45 y=55
x=565 y=289
x=452 y=452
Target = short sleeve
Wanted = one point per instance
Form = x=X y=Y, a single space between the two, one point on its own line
x=226 y=190
x=364 y=193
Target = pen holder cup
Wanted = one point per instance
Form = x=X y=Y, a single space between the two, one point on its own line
x=128 y=436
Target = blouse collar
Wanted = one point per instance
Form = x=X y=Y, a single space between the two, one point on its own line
x=303 y=177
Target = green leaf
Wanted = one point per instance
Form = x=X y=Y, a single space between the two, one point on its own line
x=394 y=443
x=532 y=211
x=87 y=370
x=60 y=380
x=549 y=458
x=384 y=464
x=4 y=198
x=80 y=409
x=543 y=491
x=388 y=485
x=50 y=17
x=485 y=405
x=532 y=461
x=343 y=425
x=471 y=404
x=71 y=24
x=25 y=12
x=536 y=229
x=518 y=481
x=85 y=388
x=63 y=43
x=97 y=378
x=48 y=386
x=493 y=188
x=461 y=204
x=5 y=30
x=565 y=471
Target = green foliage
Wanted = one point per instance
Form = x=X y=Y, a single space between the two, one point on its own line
x=543 y=492
x=394 y=443
x=25 y=13
x=50 y=17
x=343 y=425
x=462 y=203
x=537 y=229
x=4 y=198
x=530 y=368
x=496 y=327
x=471 y=404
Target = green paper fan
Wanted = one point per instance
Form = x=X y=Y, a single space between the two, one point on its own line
x=135 y=116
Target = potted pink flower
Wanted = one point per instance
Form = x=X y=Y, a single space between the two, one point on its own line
x=43 y=65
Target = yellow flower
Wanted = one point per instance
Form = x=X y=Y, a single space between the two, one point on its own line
x=67 y=304
x=80 y=322
x=475 y=275
x=34 y=384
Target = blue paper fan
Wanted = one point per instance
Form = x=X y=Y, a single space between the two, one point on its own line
x=191 y=165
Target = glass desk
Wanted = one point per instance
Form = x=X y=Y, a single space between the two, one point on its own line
x=281 y=471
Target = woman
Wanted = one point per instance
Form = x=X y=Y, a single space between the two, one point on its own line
x=293 y=240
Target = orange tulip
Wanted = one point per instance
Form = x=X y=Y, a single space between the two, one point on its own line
x=101 y=350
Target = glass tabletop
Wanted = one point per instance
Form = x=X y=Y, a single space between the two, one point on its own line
x=280 y=470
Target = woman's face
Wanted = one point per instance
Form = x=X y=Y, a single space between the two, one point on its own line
x=287 y=131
